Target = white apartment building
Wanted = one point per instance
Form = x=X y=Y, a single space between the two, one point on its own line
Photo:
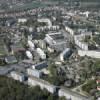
x=56 y=41
x=84 y=48
x=49 y=28
x=65 y=54
x=90 y=53
x=69 y=30
x=79 y=40
x=17 y=76
x=34 y=72
x=43 y=84
x=79 y=43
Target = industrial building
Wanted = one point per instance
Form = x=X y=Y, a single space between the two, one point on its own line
x=43 y=84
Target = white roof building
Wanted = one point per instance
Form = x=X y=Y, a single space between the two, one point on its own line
x=31 y=45
x=29 y=55
x=22 y=20
x=79 y=43
x=41 y=53
x=46 y=20
x=49 y=28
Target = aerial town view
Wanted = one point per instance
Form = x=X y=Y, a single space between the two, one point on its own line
x=49 y=49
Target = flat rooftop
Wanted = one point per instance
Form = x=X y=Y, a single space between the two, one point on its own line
x=41 y=81
x=57 y=36
x=68 y=91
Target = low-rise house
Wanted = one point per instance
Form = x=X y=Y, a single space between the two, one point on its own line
x=5 y=71
x=10 y=22
x=98 y=85
x=10 y=59
x=17 y=47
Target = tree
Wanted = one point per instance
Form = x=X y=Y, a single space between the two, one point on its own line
x=62 y=98
x=57 y=77
x=14 y=90
x=91 y=84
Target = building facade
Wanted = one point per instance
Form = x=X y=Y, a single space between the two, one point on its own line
x=17 y=76
x=34 y=72
x=43 y=84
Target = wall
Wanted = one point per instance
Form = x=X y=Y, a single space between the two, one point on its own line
x=93 y=54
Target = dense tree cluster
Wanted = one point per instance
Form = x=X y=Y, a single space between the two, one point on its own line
x=56 y=77
x=14 y=90
x=89 y=85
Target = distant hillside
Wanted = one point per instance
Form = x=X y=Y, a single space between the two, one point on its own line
x=78 y=0
x=90 y=3
x=89 y=0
